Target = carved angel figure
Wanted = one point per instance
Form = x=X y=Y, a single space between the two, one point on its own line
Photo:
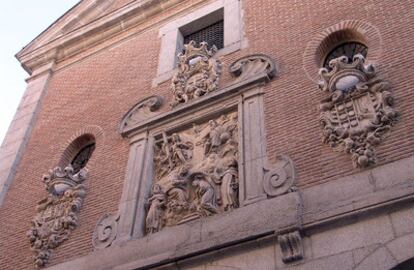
x=153 y=222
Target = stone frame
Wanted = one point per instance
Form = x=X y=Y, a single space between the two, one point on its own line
x=171 y=34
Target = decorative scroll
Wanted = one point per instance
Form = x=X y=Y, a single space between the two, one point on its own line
x=291 y=246
x=58 y=213
x=105 y=231
x=253 y=65
x=359 y=111
x=198 y=73
x=196 y=173
x=142 y=111
x=280 y=178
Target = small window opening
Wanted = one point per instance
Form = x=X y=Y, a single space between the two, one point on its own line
x=348 y=49
x=82 y=157
x=212 y=34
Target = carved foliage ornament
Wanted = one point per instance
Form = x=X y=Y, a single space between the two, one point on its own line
x=57 y=214
x=196 y=173
x=358 y=113
x=198 y=73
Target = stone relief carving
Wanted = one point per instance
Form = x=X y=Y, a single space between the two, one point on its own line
x=57 y=214
x=252 y=65
x=291 y=246
x=198 y=73
x=143 y=110
x=280 y=178
x=359 y=111
x=105 y=231
x=196 y=173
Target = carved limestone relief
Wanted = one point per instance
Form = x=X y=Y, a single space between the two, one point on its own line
x=280 y=178
x=358 y=113
x=142 y=111
x=291 y=246
x=58 y=213
x=196 y=173
x=251 y=66
x=105 y=231
x=198 y=73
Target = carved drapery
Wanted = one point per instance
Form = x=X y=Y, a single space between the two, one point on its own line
x=358 y=113
x=196 y=173
x=58 y=213
x=198 y=73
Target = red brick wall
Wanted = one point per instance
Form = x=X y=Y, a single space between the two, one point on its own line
x=100 y=89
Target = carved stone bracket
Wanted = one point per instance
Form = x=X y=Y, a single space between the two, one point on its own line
x=280 y=178
x=105 y=231
x=253 y=65
x=142 y=111
x=291 y=246
x=57 y=214
x=358 y=113
x=198 y=73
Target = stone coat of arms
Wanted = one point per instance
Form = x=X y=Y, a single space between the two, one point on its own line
x=358 y=113
x=198 y=73
x=57 y=215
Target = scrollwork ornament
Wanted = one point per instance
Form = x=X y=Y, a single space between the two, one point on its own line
x=358 y=113
x=105 y=231
x=58 y=213
x=280 y=178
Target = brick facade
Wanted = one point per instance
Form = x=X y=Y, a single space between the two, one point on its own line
x=97 y=87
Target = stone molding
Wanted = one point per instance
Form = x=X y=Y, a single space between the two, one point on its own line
x=142 y=111
x=364 y=194
x=91 y=34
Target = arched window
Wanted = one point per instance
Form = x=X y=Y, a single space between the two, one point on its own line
x=348 y=49
x=78 y=152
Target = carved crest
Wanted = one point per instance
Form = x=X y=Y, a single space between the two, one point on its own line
x=359 y=110
x=57 y=214
x=198 y=73
x=196 y=173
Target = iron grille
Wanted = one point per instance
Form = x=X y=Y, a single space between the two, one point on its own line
x=349 y=49
x=83 y=156
x=212 y=34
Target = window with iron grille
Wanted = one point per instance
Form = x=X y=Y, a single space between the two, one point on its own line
x=348 y=49
x=212 y=34
x=83 y=156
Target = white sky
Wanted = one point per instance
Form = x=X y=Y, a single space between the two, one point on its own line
x=20 y=22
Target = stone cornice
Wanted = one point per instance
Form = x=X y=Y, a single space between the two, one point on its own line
x=93 y=33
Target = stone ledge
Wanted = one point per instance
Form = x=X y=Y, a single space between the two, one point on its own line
x=270 y=216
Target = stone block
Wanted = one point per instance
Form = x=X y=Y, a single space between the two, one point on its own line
x=403 y=221
x=402 y=248
x=381 y=259
x=362 y=233
x=341 y=261
x=394 y=173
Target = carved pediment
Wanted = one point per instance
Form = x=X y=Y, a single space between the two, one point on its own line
x=57 y=215
x=198 y=73
x=143 y=110
x=358 y=113
x=251 y=66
